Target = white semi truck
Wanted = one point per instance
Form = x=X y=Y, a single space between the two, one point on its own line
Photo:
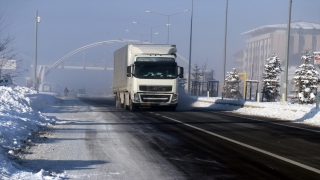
x=146 y=75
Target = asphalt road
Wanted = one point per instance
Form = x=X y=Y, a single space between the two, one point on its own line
x=224 y=145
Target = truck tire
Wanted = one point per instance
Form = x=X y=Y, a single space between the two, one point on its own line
x=132 y=108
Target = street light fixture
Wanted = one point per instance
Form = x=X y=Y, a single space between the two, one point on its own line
x=168 y=15
x=151 y=27
x=140 y=34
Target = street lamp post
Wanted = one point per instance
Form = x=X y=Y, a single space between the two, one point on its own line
x=35 y=80
x=168 y=16
x=151 y=27
x=287 y=53
x=225 y=50
x=189 y=72
x=140 y=35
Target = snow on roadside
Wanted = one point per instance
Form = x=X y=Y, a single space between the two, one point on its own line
x=306 y=114
x=20 y=116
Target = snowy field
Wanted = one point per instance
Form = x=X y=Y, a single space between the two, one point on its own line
x=22 y=112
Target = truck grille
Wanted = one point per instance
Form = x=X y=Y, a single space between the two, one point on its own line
x=155 y=88
x=155 y=98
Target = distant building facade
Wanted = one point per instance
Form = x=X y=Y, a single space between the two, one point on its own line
x=266 y=40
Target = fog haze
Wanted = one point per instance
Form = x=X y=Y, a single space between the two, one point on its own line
x=68 y=25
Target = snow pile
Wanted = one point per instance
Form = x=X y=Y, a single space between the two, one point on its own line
x=19 y=117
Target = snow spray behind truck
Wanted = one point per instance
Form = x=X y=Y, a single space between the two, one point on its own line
x=146 y=75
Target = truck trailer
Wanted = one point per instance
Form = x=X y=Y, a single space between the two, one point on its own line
x=146 y=76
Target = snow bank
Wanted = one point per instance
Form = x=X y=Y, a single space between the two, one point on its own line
x=306 y=114
x=19 y=117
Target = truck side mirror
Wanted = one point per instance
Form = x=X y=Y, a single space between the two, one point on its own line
x=128 y=71
x=181 y=72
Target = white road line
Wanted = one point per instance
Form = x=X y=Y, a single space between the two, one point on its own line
x=269 y=122
x=250 y=147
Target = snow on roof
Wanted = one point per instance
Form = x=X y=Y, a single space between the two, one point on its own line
x=294 y=25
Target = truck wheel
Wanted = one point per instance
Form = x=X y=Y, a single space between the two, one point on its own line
x=132 y=108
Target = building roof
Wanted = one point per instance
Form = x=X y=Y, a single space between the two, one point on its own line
x=294 y=25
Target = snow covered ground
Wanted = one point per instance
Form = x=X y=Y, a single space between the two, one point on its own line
x=307 y=114
x=21 y=114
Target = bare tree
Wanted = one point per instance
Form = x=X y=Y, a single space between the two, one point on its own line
x=211 y=75
x=8 y=54
x=196 y=75
x=203 y=68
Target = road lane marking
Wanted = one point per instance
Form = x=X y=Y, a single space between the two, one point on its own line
x=250 y=147
x=269 y=122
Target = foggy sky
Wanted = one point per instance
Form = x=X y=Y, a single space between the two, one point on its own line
x=67 y=25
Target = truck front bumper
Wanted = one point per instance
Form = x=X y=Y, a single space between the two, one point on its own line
x=155 y=100
x=155 y=104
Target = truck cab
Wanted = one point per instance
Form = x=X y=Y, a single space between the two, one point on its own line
x=154 y=82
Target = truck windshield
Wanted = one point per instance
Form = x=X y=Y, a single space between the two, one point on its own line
x=156 y=70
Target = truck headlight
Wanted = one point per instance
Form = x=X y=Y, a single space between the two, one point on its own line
x=174 y=98
x=136 y=97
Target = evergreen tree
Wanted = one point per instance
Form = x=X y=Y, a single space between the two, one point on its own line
x=306 y=81
x=270 y=78
x=232 y=84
